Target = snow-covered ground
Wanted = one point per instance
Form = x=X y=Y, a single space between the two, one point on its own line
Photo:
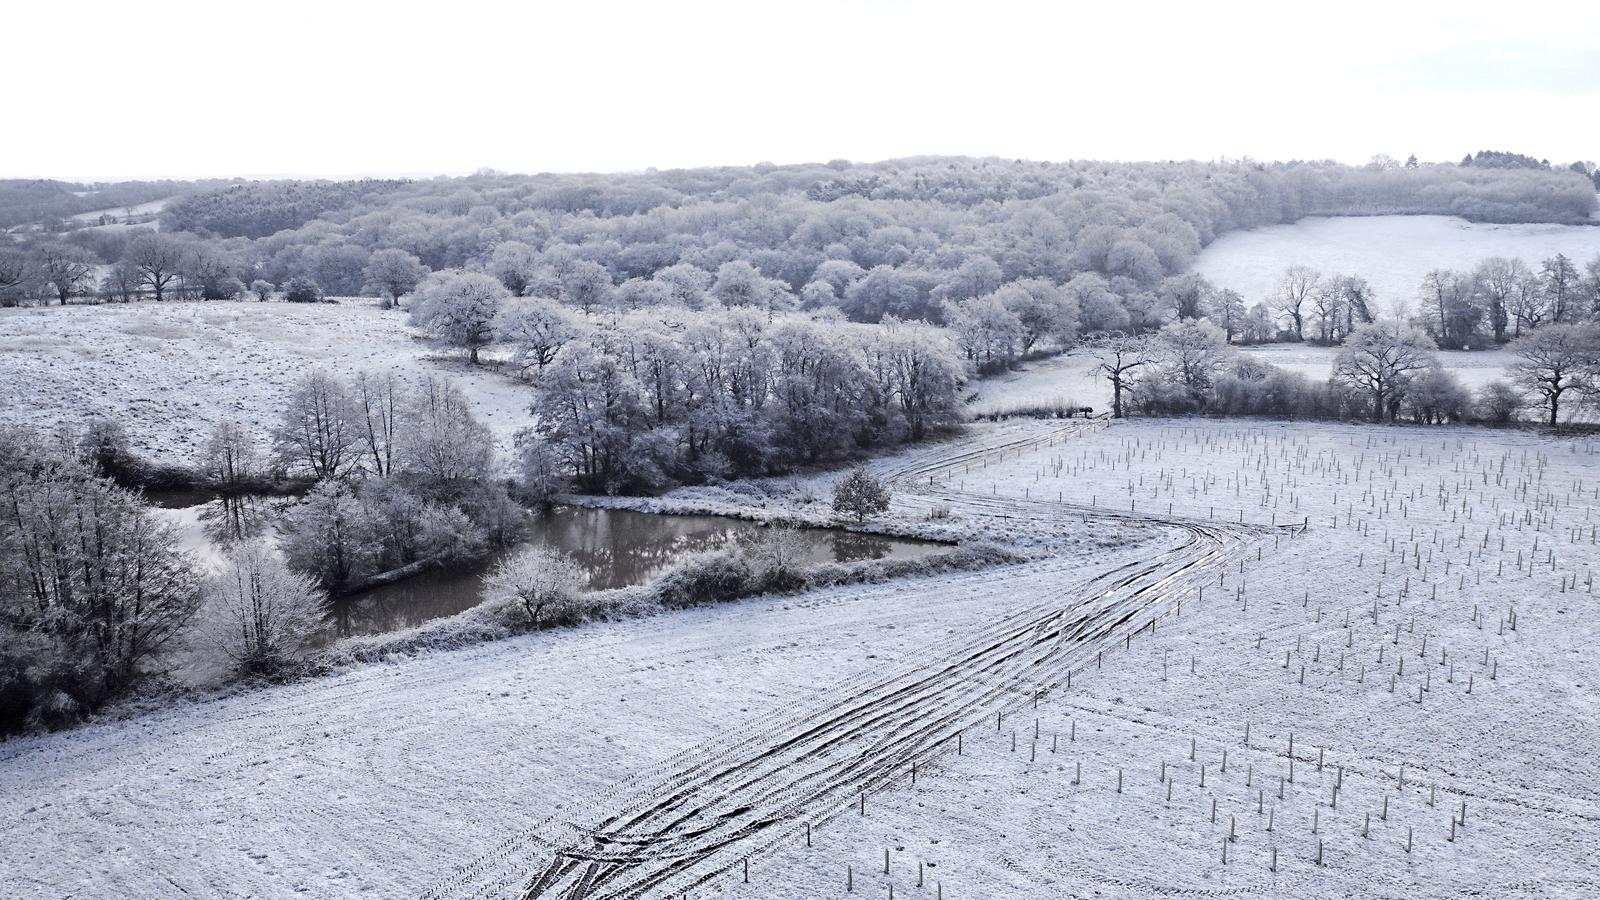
x=655 y=756
x=121 y=213
x=1392 y=252
x=169 y=371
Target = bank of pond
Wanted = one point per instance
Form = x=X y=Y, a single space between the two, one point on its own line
x=614 y=548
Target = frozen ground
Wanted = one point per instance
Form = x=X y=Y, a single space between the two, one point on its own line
x=654 y=757
x=1392 y=252
x=169 y=371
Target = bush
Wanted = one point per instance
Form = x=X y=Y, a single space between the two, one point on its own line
x=860 y=495
x=301 y=289
x=714 y=577
x=544 y=582
x=1497 y=403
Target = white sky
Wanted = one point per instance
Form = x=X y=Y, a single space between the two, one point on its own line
x=331 y=88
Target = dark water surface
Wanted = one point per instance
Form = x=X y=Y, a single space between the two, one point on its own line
x=615 y=548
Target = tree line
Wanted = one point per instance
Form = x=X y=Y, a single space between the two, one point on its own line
x=905 y=238
x=1386 y=370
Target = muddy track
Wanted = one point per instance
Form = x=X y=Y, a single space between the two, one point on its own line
x=701 y=814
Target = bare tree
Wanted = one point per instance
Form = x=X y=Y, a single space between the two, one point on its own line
x=230 y=460
x=1380 y=359
x=1296 y=287
x=1495 y=279
x=1559 y=281
x=67 y=269
x=317 y=434
x=1557 y=361
x=158 y=259
x=1121 y=355
x=377 y=403
x=16 y=268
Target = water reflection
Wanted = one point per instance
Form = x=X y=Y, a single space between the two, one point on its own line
x=615 y=548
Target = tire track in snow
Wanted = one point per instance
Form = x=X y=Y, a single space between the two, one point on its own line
x=702 y=813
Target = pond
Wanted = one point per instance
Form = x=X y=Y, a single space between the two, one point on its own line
x=614 y=548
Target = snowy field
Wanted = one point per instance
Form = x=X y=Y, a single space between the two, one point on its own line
x=1392 y=253
x=1097 y=723
x=170 y=371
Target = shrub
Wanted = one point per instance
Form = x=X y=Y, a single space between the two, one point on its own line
x=715 y=577
x=543 y=581
x=1497 y=403
x=301 y=289
x=860 y=495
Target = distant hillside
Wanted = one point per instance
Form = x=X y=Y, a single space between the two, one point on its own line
x=29 y=201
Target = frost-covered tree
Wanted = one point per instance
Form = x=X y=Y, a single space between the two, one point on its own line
x=1193 y=354
x=443 y=441
x=516 y=264
x=1100 y=310
x=1380 y=360
x=259 y=614
x=392 y=273
x=536 y=329
x=538 y=469
x=230 y=459
x=926 y=374
x=1497 y=403
x=1186 y=296
x=1559 y=283
x=988 y=333
x=1045 y=312
x=859 y=495
x=1495 y=280
x=89 y=571
x=262 y=289
x=376 y=401
x=586 y=285
x=328 y=536
x=686 y=284
x=1555 y=363
x=1451 y=310
x=317 y=434
x=543 y=581
x=457 y=308
x=1526 y=303
x=1228 y=310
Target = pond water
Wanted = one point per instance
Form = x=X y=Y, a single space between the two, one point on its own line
x=615 y=548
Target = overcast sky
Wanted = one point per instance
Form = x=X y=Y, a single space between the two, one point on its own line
x=162 y=88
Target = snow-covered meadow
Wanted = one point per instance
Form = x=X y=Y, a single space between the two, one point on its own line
x=1392 y=253
x=1424 y=641
x=169 y=371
